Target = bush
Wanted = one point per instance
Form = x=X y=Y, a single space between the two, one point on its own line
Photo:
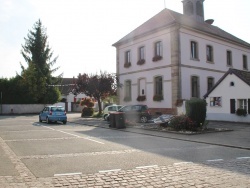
x=183 y=122
x=87 y=111
x=196 y=110
x=87 y=102
x=241 y=112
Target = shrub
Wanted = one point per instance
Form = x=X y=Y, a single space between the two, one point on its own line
x=87 y=111
x=196 y=110
x=87 y=102
x=183 y=122
x=241 y=112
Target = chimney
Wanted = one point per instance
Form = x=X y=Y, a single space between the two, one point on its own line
x=194 y=9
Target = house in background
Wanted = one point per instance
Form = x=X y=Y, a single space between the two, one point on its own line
x=173 y=57
x=230 y=93
x=71 y=100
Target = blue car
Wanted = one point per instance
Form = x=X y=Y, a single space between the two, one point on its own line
x=53 y=114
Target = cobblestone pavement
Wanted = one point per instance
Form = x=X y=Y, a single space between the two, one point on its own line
x=216 y=174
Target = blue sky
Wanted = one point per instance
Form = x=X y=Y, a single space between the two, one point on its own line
x=81 y=32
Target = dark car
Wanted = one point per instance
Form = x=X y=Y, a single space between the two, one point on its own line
x=53 y=114
x=139 y=113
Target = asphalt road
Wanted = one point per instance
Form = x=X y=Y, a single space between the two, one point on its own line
x=57 y=149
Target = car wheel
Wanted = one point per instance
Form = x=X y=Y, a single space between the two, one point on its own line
x=40 y=119
x=47 y=120
x=105 y=117
x=64 y=122
x=144 y=119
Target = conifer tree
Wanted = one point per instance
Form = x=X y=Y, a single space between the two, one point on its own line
x=38 y=74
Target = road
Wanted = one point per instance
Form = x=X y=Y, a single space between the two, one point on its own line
x=38 y=151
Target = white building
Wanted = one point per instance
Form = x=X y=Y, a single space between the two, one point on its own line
x=173 y=57
x=230 y=93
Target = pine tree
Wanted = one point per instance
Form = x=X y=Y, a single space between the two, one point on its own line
x=38 y=75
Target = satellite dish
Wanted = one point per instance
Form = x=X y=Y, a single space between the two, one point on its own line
x=210 y=21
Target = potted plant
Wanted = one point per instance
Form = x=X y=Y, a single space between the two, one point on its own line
x=157 y=97
x=141 y=98
x=127 y=64
x=141 y=62
x=157 y=58
x=241 y=112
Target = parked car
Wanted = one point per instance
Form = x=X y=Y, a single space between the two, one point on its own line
x=111 y=108
x=139 y=113
x=53 y=114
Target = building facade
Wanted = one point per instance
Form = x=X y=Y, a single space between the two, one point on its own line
x=174 y=57
x=229 y=96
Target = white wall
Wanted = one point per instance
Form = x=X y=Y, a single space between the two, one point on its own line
x=22 y=108
x=202 y=68
x=240 y=90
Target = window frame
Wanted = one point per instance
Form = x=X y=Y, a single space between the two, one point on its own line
x=128 y=89
x=128 y=56
x=244 y=62
x=229 y=57
x=158 y=48
x=208 y=83
x=158 y=85
x=141 y=53
x=194 y=50
x=209 y=53
x=195 y=92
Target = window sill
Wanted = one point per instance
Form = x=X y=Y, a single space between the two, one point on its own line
x=194 y=59
x=210 y=62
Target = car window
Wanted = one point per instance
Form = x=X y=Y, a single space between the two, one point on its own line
x=112 y=108
x=125 y=109
x=58 y=109
x=136 y=108
x=144 y=108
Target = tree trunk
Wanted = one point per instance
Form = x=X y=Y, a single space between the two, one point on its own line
x=99 y=105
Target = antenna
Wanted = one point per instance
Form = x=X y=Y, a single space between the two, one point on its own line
x=164 y=4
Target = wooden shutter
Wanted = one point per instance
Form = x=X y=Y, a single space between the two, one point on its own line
x=248 y=106
x=232 y=106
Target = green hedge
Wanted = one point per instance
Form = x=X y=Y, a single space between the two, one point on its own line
x=196 y=110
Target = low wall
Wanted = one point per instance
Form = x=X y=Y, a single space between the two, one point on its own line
x=21 y=108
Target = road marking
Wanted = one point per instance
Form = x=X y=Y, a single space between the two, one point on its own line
x=113 y=170
x=68 y=174
x=48 y=127
x=215 y=160
x=243 y=158
x=86 y=138
x=150 y=166
x=180 y=163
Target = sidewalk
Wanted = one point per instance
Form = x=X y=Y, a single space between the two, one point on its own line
x=238 y=138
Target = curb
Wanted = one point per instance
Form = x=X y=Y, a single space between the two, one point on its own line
x=162 y=136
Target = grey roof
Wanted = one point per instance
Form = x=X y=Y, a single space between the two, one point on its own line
x=167 y=18
x=243 y=75
x=66 y=86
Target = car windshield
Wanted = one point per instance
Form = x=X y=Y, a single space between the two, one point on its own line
x=58 y=109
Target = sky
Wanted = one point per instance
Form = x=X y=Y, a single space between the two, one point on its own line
x=81 y=32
